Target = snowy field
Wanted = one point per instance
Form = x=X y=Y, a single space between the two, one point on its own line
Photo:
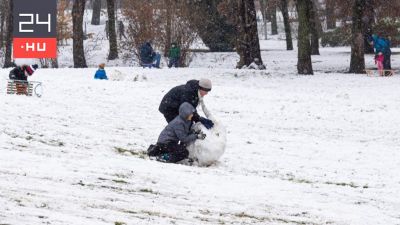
x=320 y=149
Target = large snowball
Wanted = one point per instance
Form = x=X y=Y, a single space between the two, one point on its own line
x=208 y=151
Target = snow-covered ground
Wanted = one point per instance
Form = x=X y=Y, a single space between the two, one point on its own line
x=320 y=149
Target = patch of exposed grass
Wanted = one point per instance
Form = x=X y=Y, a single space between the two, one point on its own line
x=351 y=184
x=152 y=213
x=119 y=223
x=120 y=181
x=245 y=215
x=291 y=221
x=148 y=190
x=300 y=181
x=121 y=175
x=130 y=212
x=53 y=143
x=140 y=154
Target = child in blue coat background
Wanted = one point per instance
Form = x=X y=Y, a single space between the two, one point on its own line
x=101 y=73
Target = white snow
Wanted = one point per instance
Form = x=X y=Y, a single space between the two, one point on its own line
x=208 y=151
x=320 y=149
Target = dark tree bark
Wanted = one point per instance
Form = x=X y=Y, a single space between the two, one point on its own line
x=3 y=7
x=78 y=10
x=274 y=22
x=357 y=62
x=213 y=28
x=263 y=5
x=318 y=10
x=368 y=21
x=7 y=59
x=248 y=44
x=288 y=32
x=113 y=54
x=330 y=14
x=304 y=65
x=96 y=12
x=168 y=28
x=314 y=29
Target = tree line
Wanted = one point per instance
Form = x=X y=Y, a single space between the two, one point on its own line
x=223 y=25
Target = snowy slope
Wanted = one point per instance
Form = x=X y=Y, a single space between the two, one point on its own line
x=320 y=149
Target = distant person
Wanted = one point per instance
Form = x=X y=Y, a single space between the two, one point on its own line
x=382 y=45
x=121 y=30
x=190 y=92
x=173 y=139
x=22 y=72
x=174 y=55
x=20 y=76
x=101 y=73
x=379 y=63
x=148 y=57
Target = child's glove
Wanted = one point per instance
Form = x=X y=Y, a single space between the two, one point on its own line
x=201 y=136
x=206 y=122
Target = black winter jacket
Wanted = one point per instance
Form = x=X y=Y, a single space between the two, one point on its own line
x=176 y=96
x=18 y=74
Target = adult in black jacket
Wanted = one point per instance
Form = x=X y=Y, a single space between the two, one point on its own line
x=22 y=72
x=189 y=92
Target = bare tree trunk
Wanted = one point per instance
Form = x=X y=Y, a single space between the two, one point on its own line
x=263 y=5
x=288 y=32
x=96 y=12
x=318 y=10
x=368 y=21
x=7 y=59
x=330 y=14
x=111 y=30
x=357 y=61
x=314 y=29
x=168 y=27
x=3 y=7
x=304 y=65
x=274 y=22
x=78 y=10
x=248 y=44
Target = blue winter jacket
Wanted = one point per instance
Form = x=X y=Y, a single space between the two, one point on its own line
x=146 y=53
x=381 y=44
x=101 y=74
x=179 y=128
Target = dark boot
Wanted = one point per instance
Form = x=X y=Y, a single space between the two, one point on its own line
x=153 y=150
x=172 y=153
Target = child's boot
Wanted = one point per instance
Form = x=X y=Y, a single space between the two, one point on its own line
x=154 y=150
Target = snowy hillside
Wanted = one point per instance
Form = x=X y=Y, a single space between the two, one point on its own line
x=320 y=149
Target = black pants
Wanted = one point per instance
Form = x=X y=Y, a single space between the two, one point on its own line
x=173 y=62
x=386 y=61
x=173 y=152
x=169 y=116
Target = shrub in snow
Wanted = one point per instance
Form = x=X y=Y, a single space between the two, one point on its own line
x=208 y=151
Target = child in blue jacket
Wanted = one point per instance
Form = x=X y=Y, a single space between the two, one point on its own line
x=101 y=73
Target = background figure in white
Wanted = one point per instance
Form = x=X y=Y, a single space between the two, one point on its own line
x=208 y=151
